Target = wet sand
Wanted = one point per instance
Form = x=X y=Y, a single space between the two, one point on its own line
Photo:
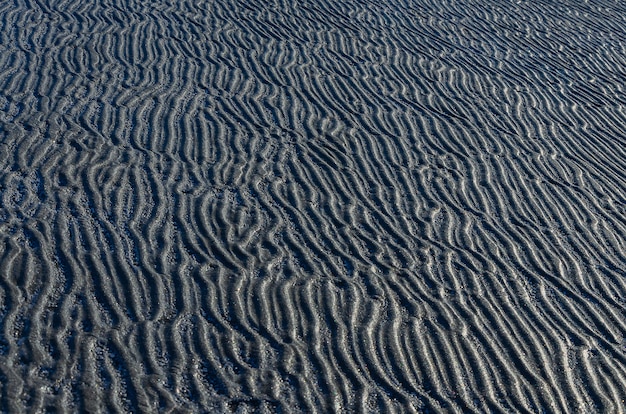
x=312 y=206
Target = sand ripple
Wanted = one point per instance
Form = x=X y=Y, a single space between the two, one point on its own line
x=305 y=206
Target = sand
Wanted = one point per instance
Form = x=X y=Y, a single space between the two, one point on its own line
x=312 y=206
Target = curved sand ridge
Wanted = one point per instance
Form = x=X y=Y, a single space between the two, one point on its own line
x=312 y=206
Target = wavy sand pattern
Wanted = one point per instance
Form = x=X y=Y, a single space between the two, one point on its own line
x=312 y=206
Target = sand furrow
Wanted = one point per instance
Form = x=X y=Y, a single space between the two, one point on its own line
x=338 y=206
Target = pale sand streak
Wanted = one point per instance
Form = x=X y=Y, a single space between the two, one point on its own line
x=305 y=206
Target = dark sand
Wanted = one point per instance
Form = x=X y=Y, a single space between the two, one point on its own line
x=312 y=206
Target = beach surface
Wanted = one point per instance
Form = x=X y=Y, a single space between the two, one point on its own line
x=312 y=206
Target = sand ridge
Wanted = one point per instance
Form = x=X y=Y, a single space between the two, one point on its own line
x=312 y=206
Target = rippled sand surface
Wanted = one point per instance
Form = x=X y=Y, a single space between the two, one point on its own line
x=312 y=206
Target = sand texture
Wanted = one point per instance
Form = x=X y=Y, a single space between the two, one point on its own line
x=312 y=206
